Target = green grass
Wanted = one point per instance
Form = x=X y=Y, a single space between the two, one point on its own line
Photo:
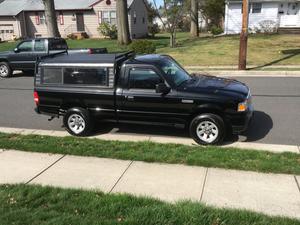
x=211 y=51
x=35 y=205
x=229 y=158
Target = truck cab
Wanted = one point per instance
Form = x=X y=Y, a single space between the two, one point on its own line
x=148 y=89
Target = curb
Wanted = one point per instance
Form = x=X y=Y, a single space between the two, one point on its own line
x=157 y=139
x=234 y=73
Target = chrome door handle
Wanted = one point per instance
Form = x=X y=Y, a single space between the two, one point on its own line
x=130 y=98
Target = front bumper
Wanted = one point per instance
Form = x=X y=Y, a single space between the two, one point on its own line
x=240 y=122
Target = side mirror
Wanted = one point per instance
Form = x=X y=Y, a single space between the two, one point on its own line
x=162 y=88
x=16 y=50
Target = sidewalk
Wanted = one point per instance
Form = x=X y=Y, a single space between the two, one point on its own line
x=267 y=193
x=158 y=139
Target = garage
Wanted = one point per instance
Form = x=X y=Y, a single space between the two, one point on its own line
x=6 y=32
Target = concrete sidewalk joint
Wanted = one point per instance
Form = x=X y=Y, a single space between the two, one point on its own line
x=120 y=177
x=204 y=182
x=297 y=183
x=44 y=170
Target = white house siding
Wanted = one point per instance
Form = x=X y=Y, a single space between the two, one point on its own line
x=140 y=28
x=233 y=18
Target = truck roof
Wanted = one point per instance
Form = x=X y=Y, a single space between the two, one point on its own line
x=109 y=58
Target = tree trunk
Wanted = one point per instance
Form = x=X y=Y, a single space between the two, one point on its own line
x=122 y=23
x=194 y=18
x=172 y=40
x=51 y=21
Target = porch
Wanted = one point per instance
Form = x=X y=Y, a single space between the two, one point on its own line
x=289 y=15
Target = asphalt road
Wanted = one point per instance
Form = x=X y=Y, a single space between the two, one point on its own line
x=276 y=120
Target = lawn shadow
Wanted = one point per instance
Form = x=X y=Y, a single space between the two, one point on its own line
x=290 y=54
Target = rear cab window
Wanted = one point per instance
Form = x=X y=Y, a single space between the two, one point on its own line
x=57 y=44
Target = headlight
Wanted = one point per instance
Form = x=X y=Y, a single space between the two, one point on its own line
x=243 y=106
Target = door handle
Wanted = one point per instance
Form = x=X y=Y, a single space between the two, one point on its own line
x=130 y=98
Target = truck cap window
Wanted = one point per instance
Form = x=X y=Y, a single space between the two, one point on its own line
x=140 y=78
x=86 y=76
x=52 y=76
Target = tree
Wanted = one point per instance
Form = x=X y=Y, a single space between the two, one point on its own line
x=122 y=23
x=172 y=11
x=51 y=21
x=194 y=18
x=152 y=15
x=213 y=10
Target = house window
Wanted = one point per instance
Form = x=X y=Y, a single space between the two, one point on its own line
x=256 y=7
x=60 y=18
x=134 y=17
x=40 y=18
x=108 y=17
x=143 y=20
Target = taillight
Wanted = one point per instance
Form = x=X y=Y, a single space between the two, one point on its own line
x=36 y=97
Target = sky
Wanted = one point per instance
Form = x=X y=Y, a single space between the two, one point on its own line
x=158 y=2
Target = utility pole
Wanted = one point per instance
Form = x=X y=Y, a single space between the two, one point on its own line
x=244 y=37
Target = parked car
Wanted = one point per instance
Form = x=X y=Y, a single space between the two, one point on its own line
x=26 y=53
x=149 y=89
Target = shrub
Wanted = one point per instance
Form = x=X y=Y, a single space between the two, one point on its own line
x=215 y=30
x=268 y=26
x=143 y=47
x=153 y=29
x=108 y=30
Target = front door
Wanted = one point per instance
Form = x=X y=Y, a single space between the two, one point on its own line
x=80 y=22
x=23 y=57
x=289 y=14
x=140 y=102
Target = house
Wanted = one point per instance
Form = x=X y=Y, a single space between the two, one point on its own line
x=281 y=15
x=26 y=18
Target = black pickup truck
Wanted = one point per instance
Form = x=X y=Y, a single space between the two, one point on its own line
x=24 y=56
x=149 y=89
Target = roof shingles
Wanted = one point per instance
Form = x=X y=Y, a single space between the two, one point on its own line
x=14 y=7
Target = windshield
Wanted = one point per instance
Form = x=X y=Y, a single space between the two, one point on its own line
x=173 y=70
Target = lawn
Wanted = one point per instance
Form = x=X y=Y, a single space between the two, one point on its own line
x=213 y=156
x=212 y=51
x=36 y=205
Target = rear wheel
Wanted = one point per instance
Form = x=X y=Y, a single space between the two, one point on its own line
x=78 y=122
x=207 y=129
x=5 y=70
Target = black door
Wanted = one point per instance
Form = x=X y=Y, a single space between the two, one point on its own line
x=23 y=58
x=139 y=101
x=80 y=21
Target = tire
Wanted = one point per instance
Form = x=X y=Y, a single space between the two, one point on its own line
x=5 y=70
x=78 y=122
x=207 y=129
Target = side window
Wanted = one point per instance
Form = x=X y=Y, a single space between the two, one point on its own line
x=57 y=44
x=140 y=78
x=39 y=46
x=25 y=46
x=52 y=76
x=86 y=76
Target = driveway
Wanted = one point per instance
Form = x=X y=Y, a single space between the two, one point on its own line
x=276 y=121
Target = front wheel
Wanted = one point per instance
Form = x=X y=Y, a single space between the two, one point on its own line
x=207 y=129
x=5 y=70
x=78 y=122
